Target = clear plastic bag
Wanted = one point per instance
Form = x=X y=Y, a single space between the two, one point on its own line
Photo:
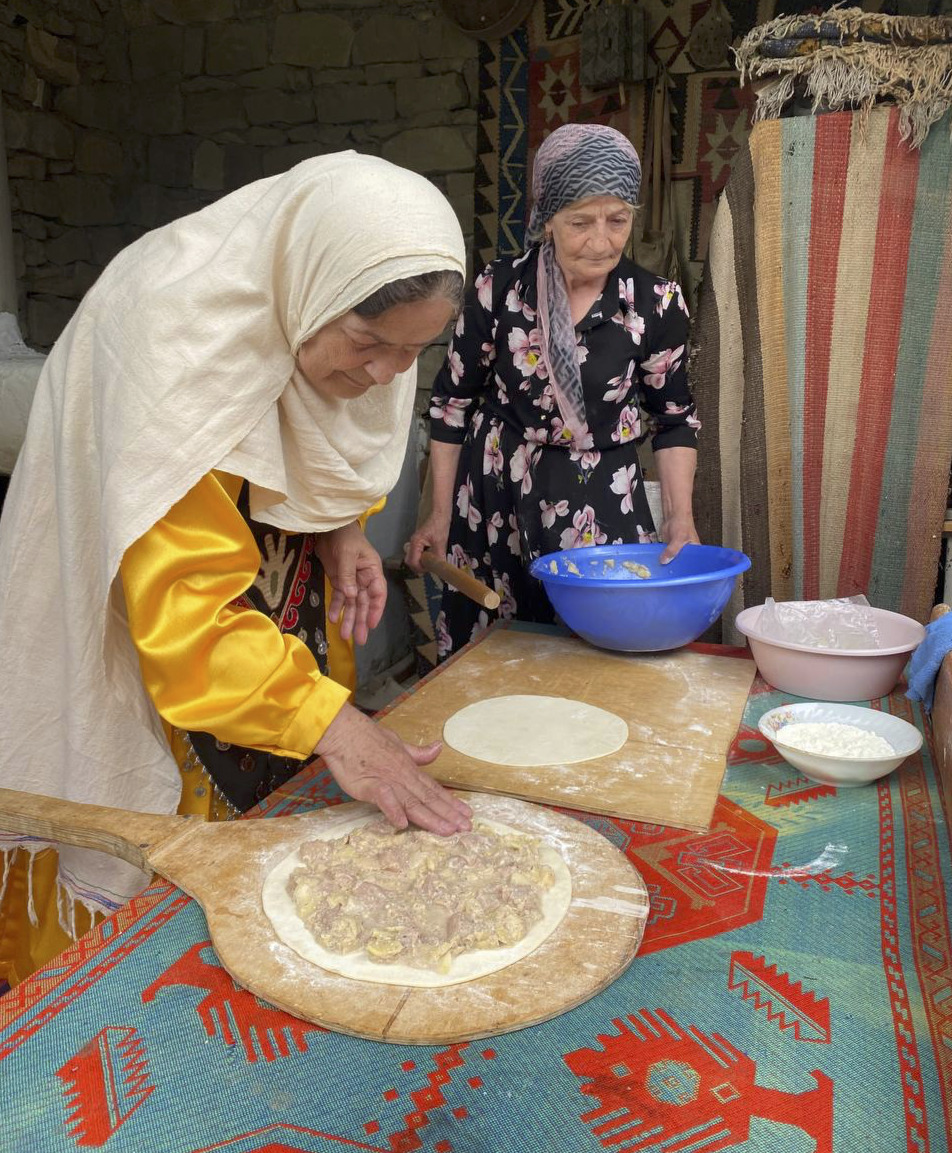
x=840 y=623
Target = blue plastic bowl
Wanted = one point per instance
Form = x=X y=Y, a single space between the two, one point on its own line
x=598 y=595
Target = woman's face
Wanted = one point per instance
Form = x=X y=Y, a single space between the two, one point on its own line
x=590 y=236
x=353 y=353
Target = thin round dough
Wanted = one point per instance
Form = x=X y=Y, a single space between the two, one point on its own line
x=529 y=731
x=279 y=907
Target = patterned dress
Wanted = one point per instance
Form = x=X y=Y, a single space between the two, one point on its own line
x=523 y=488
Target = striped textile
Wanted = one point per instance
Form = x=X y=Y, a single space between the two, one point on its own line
x=823 y=362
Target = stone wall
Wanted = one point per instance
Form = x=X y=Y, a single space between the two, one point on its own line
x=121 y=115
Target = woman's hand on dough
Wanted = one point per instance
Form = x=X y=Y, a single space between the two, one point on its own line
x=370 y=763
x=676 y=532
x=355 y=571
x=431 y=536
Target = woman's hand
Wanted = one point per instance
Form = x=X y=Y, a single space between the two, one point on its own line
x=372 y=764
x=432 y=535
x=354 y=569
x=676 y=532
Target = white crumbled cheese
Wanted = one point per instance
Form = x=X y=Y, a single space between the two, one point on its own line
x=834 y=739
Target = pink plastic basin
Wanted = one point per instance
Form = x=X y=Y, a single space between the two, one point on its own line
x=834 y=674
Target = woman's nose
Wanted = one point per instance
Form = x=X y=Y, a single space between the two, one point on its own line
x=383 y=369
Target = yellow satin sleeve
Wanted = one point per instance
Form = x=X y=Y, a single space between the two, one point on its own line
x=207 y=664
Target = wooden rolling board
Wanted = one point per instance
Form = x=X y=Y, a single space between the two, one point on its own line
x=683 y=709
x=224 y=865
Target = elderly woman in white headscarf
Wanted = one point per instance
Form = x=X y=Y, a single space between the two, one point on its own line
x=184 y=524
x=535 y=416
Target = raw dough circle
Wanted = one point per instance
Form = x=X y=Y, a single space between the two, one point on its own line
x=531 y=731
x=279 y=907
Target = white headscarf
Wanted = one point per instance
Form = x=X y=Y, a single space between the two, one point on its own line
x=180 y=360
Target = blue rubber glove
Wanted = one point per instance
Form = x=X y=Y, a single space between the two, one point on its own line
x=926 y=659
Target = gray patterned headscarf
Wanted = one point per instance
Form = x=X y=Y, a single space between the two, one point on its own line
x=575 y=162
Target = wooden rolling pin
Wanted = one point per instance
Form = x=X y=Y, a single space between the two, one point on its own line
x=451 y=575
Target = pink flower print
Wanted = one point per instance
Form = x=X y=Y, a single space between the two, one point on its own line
x=513 y=540
x=507 y=602
x=520 y=467
x=581 y=351
x=493 y=525
x=492 y=454
x=629 y=426
x=455 y=361
x=482 y=623
x=537 y=436
x=694 y=423
x=487 y=353
x=667 y=291
x=675 y=409
x=484 y=289
x=451 y=410
x=546 y=399
x=632 y=321
x=560 y=431
x=620 y=386
x=624 y=482
x=460 y=327
x=514 y=303
x=551 y=511
x=465 y=502
x=584 y=531
x=587 y=458
x=645 y=537
x=478 y=422
x=660 y=364
x=444 y=642
x=460 y=558
x=526 y=349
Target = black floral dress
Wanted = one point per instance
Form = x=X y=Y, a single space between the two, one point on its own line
x=523 y=489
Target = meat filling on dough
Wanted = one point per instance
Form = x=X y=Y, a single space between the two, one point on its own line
x=416 y=898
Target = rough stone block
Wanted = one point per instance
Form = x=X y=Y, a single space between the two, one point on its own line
x=89 y=35
x=156 y=50
x=279 y=107
x=106 y=242
x=23 y=165
x=32 y=253
x=95 y=105
x=73 y=245
x=52 y=57
x=171 y=159
x=151 y=206
x=441 y=37
x=324 y=76
x=30 y=225
x=15 y=129
x=49 y=136
x=209 y=112
x=331 y=137
x=312 y=39
x=208 y=167
x=38 y=197
x=72 y=281
x=267 y=137
x=46 y=317
x=354 y=103
x=99 y=154
x=235 y=47
x=431 y=94
x=277 y=78
x=432 y=149
x=158 y=109
x=242 y=165
x=383 y=38
x=86 y=200
x=193 y=52
x=387 y=73
x=42 y=14
x=193 y=11
x=115 y=58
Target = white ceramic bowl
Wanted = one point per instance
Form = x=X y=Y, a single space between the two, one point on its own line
x=843 y=772
x=834 y=674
